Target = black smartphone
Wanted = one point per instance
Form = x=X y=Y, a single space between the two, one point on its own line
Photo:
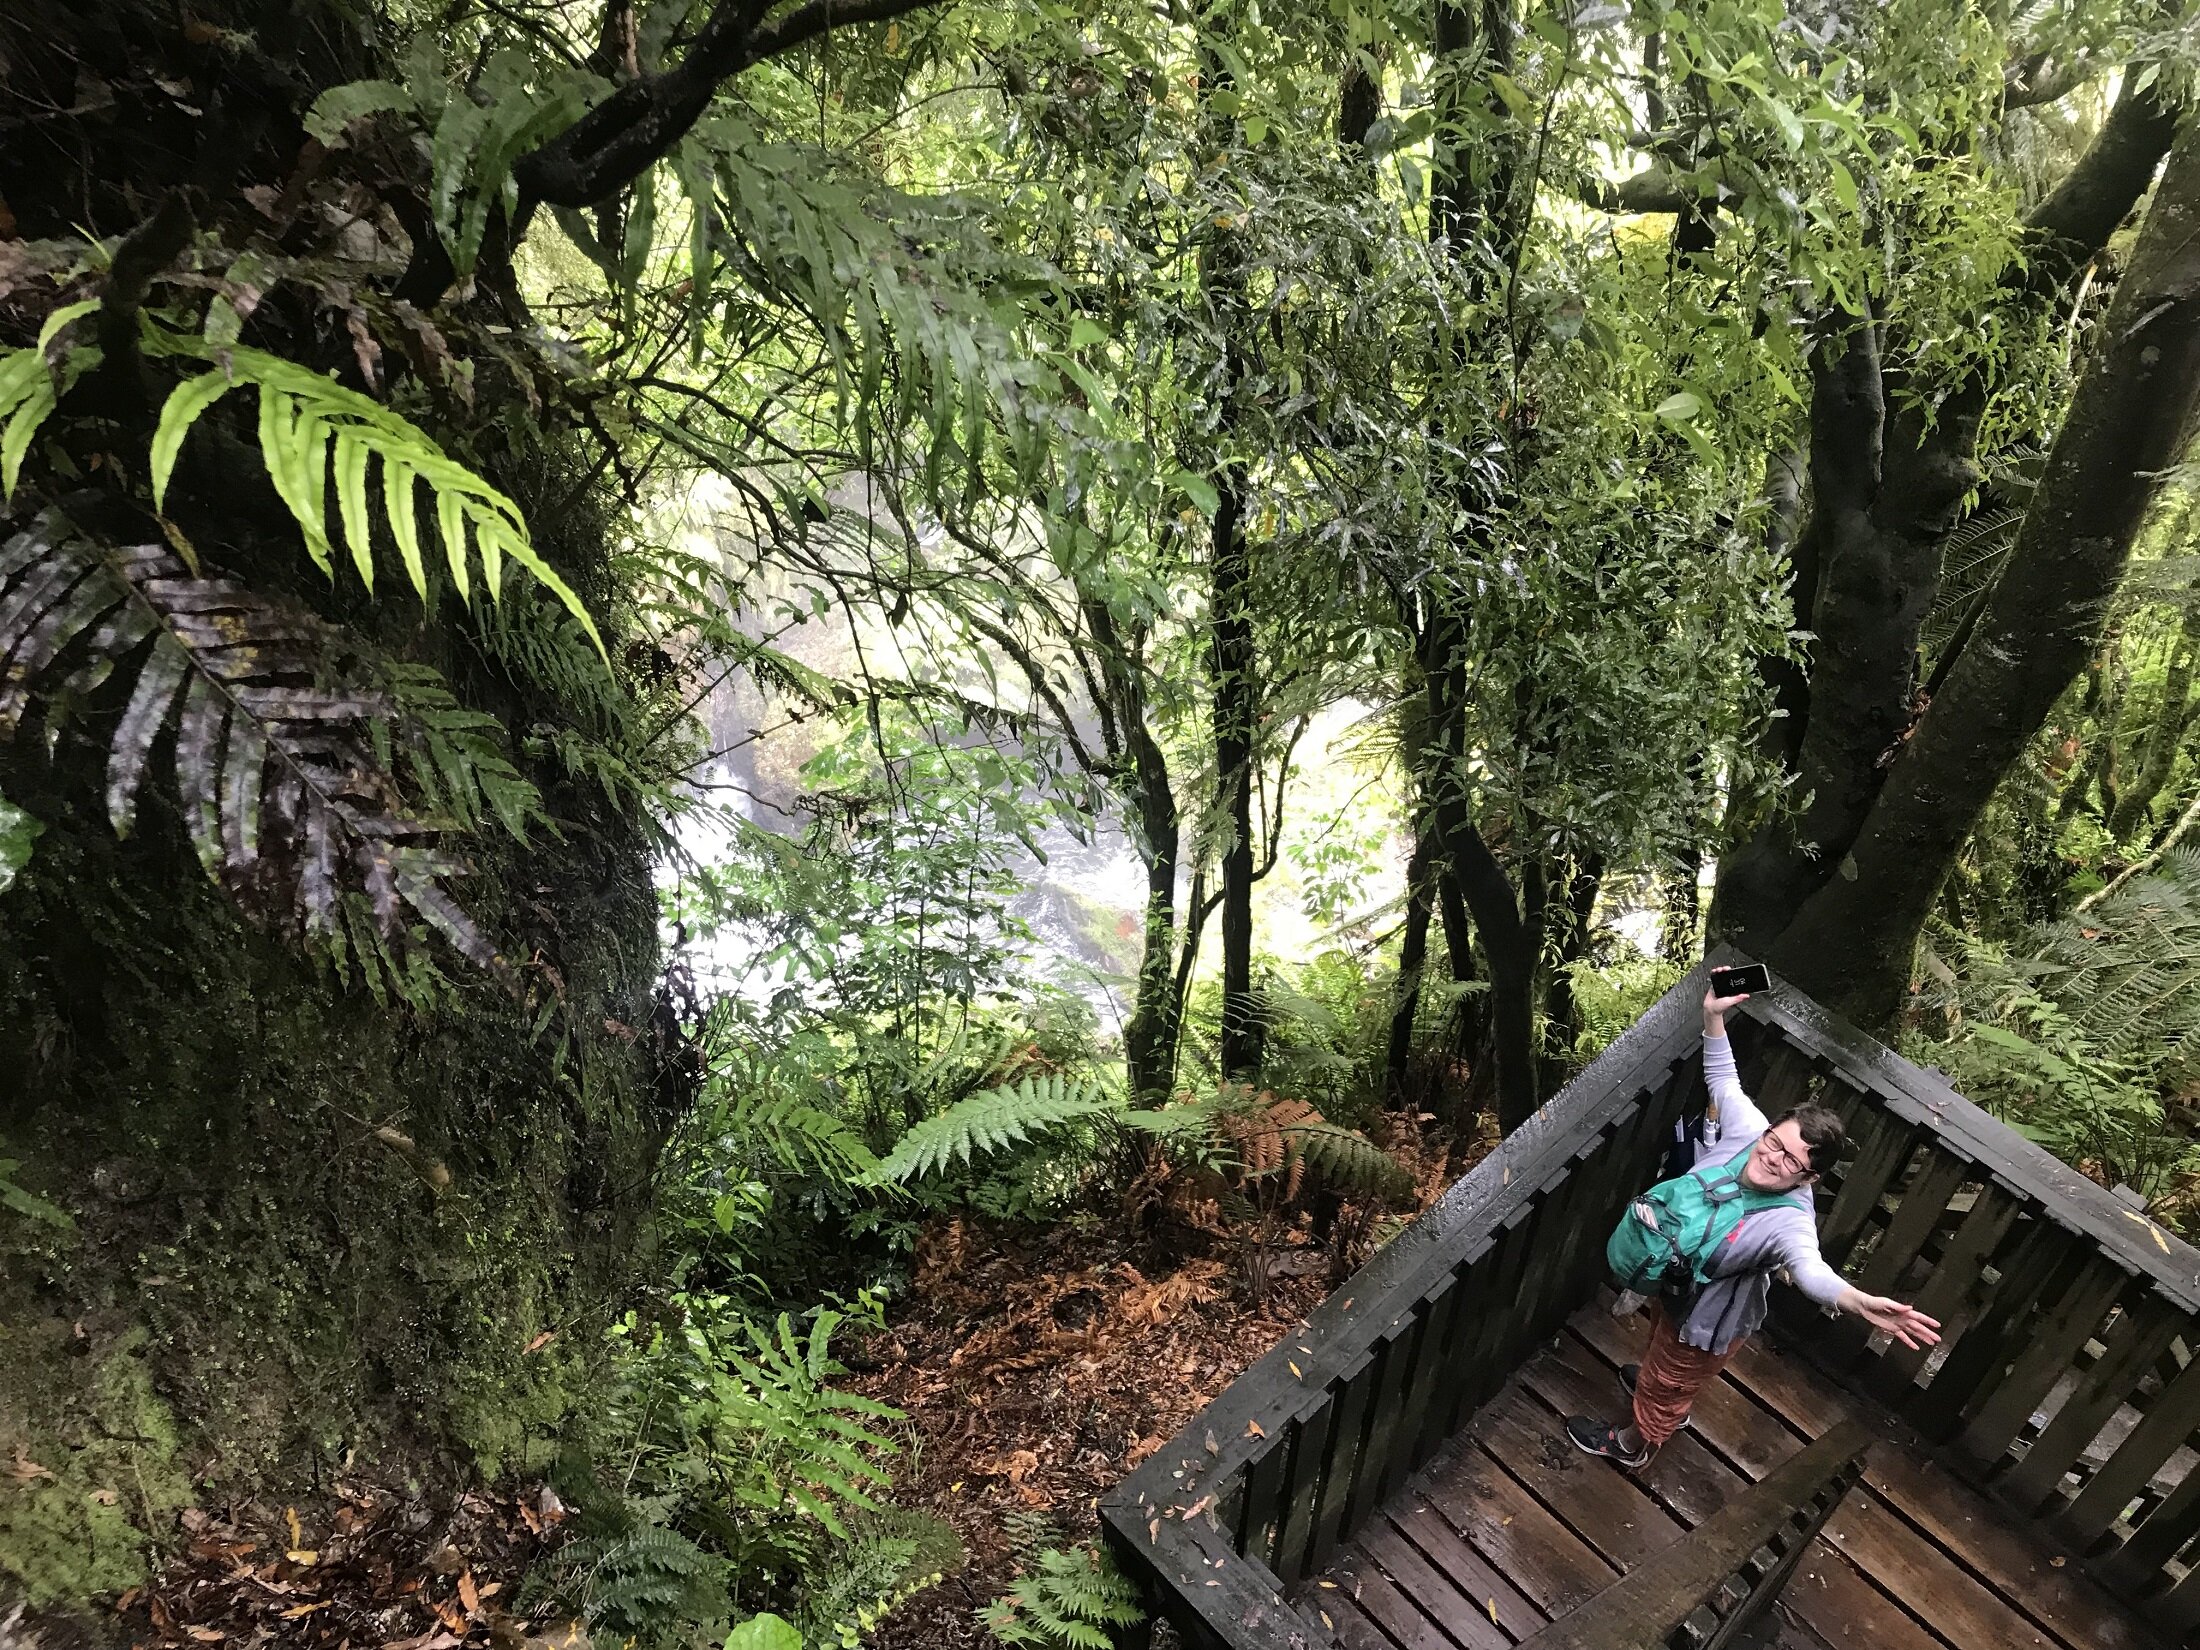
x=1736 y=982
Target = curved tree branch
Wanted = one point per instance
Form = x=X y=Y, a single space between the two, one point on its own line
x=1851 y=943
x=621 y=137
x=1653 y=189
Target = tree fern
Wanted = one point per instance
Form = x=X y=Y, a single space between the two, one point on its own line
x=2078 y=1031
x=1248 y=1136
x=2126 y=971
x=281 y=795
x=1346 y=1160
x=1067 y=1599
x=1972 y=555
x=994 y=1121
x=1970 y=561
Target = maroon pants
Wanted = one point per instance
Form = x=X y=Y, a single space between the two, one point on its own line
x=1673 y=1372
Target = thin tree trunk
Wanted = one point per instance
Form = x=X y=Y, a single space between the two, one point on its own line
x=1150 y=1035
x=1511 y=950
x=1851 y=944
x=1584 y=879
x=1234 y=690
x=1149 y=1039
x=1412 y=957
x=1233 y=667
x=1473 y=186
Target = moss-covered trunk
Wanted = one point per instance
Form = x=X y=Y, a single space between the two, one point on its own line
x=311 y=1231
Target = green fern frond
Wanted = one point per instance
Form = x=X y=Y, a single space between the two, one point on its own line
x=808 y=1140
x=476 y=132
x=2078 y=1031
x=1067 y=1599
x=455 y=758
x=28 y=1203
x=310 y=426
x=887 y=1558
x=32 y=384
x=649 y=1580
x=1347 y=1160
x=993 y=1121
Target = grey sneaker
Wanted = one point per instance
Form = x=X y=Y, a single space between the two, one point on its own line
x=1593 y=1437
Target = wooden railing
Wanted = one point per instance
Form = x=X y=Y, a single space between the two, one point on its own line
x=1709 y=1587
x=2068 y=1383
x=2068 y=1380
x=1265 y=1484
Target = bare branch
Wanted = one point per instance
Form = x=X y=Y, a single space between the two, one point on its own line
x=640 y=122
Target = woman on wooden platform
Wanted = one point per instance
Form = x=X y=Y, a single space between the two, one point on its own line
x=1786 y=1155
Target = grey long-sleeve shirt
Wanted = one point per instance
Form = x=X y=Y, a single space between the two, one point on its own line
x=1733 y=1304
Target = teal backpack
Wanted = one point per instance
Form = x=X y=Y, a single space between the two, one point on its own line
x=1670 y=1236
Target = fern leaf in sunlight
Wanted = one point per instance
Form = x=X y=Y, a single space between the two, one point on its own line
x=311 y=428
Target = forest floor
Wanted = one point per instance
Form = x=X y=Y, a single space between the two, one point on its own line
x=1036 y=1369
x=1035 y=1366
x=363 y=1566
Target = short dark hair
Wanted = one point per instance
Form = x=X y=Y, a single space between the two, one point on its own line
x=1822 y=1131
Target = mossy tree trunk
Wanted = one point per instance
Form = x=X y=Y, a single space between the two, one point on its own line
x=312 y=1231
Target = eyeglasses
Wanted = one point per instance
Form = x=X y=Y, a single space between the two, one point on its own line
x=1779 y=1159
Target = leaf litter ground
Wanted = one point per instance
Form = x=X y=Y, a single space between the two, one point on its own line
x=1036 y=1368
x=367 y=1568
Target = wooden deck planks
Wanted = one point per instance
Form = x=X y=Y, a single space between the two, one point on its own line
x=1545 y=1560
x=1842 y=1606
x=1476 y=1578
x=1512 y=1516
x=1457 y=1616
x=2014 y=1564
